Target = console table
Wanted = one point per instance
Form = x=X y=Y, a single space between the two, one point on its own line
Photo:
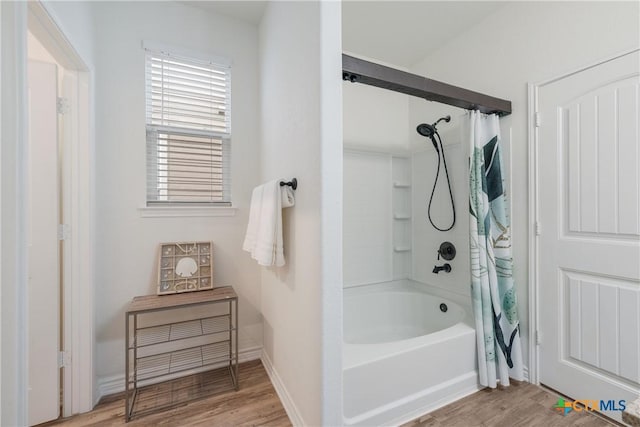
x=161 y=351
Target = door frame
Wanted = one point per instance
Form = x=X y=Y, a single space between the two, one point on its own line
x=76 y=186
x=534 y=203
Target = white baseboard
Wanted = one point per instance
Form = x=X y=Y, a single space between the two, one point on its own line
x=249 y=354
x=109 y=385
x=283 y=394
x=115 y=383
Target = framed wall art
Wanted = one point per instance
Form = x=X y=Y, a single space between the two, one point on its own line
x=185 y=267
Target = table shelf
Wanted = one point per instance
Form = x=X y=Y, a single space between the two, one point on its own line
x=170 y=332
x=164 y=351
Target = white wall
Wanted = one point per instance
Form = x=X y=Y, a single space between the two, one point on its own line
x=376 y=127
x=528 y=42
x=375 y=119
x=13 y=57
x=377 y=236
x=426 y=239
x=301 y=302
x=75 y=19
x=126 y=242
x=367 y=218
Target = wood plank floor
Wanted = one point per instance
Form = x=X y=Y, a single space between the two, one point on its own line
x=520 y=405
x=257 y=404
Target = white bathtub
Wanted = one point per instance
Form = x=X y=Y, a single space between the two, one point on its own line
x=404 y=356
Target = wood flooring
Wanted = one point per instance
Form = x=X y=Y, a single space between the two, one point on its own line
x=520 y=405
x=257 y=404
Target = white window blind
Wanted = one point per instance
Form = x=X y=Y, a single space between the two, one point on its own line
x=188 y=130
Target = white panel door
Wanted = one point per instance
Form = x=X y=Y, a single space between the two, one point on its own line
x=44 y=273
x=589 y=189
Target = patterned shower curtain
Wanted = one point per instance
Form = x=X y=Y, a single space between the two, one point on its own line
x=492 y=289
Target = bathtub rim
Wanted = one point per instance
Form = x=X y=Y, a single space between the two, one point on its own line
x=457 y=310
x=410 y=285
x=354 y=355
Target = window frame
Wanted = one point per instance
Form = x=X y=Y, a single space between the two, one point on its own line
x=154 y=207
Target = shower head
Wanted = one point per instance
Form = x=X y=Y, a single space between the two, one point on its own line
x=428 y=130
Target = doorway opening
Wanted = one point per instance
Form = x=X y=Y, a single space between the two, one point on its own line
x=58 y=215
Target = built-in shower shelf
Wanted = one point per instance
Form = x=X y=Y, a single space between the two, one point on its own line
x=401 y=185
x=402 y=249
x=401 y=216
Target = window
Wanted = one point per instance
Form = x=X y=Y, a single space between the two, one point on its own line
x=188 y=124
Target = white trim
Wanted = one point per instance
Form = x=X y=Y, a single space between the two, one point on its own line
x=79 y=337
x=22 y=207
x=287 y=402
x=331 y=170
x=14 y=281
x=533 y=239
x=114 y=384
x=180 y=52
x=107 y=386
x=1 y=239
x=585 y=67
x=53 y=38
x=534 y=203
x=69 y=142
x=82 y=238
x=186 y=211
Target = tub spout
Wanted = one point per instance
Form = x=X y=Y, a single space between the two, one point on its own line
x=445 y=267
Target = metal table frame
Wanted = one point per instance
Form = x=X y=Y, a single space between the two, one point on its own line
x=153 y=303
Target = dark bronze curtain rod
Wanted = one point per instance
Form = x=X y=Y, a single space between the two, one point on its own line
x=358 y=70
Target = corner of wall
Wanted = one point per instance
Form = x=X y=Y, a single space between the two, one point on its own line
x=13 y=53
x=287 y=402
x=301 y=136
x=331 y=152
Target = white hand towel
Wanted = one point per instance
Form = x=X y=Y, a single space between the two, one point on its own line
x=288 y=199
x=254 y=219
x=264 y=232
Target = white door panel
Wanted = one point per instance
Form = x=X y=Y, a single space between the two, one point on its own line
x=589 y=195
x=44 y=273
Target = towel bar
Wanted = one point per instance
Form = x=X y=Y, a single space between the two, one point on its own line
x=293 y=183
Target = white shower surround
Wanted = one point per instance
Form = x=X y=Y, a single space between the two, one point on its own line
x=402 y=355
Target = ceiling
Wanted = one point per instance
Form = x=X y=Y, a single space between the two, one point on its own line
x=400 y=33
x=248 y=11
x=404 y=32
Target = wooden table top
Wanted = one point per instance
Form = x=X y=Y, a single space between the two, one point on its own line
x=159 y=302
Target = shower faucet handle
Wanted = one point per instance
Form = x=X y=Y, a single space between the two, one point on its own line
x=447 y=251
